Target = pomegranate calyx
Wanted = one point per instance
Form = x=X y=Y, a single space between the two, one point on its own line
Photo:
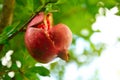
x=63 y=55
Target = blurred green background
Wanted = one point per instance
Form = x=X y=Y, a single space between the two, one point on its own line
x=79 y=15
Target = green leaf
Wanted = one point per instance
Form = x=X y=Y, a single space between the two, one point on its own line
x=40 y=70
x=109 y=3
x=32 y=76
x=6 y=77
x=37 y=4
x=14 y=66
x=18 y=76
x=7 y=33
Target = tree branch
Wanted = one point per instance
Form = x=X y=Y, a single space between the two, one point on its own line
x=24 y=25
x=6 y=15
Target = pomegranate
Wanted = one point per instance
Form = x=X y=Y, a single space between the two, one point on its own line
x=45 y=41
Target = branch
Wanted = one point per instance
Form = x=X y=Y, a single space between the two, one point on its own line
x=22 y=29
x=6 y=15
x=25 y=24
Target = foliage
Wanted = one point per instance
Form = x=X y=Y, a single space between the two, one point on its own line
x=79 y=15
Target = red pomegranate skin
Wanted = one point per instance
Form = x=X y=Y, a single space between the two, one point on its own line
x=45 y=41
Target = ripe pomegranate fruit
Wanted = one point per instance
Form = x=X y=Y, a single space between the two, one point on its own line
x=45 y=41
